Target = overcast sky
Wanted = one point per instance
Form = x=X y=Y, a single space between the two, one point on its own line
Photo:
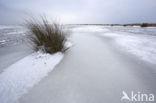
x=79 y=11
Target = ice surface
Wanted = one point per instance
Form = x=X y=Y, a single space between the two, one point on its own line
x=21 y=76
x=136 y=40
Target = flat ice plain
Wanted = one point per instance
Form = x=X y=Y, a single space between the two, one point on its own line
x=103 y=62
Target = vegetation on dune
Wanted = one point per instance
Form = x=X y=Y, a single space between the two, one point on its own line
x=45 y=36
x=144 y=25
x=134 y=24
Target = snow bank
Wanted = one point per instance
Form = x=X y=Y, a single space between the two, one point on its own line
x=90 y=29
x=9 y=26
x=24 y=74
x=142 y=46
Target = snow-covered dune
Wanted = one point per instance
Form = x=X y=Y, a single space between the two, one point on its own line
x=18 y=78
x=19 y=69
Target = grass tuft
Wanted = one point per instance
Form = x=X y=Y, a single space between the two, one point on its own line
x=45 y=36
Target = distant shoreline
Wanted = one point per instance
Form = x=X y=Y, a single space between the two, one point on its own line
x=135 y=24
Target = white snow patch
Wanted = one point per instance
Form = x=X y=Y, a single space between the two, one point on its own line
x=17 y=32
x=9 y=26
x=90 y=29
x=2 y=41
x=24 y=74
x=68 y=44
x=142 y=46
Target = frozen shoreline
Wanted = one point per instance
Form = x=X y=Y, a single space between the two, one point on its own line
x=11 y=54
x=92 y=71
x=138 y=41
x=89 y=72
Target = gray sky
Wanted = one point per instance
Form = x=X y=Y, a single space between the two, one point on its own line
x=79 y=11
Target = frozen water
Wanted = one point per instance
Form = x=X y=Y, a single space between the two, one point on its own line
x=136 y=40
x=90 y=71
x=11 y=35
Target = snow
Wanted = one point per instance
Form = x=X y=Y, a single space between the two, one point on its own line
x=20 y=77
x=12 y=35
x=143 y=46
x=2 y=41
x=92 y=72
x=68 y=44
x=78 y=81
x=89 y=29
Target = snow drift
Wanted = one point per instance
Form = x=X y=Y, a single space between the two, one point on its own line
x=24 y=74
x=143 y=46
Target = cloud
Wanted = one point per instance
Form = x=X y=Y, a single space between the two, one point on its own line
x=81 y=11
